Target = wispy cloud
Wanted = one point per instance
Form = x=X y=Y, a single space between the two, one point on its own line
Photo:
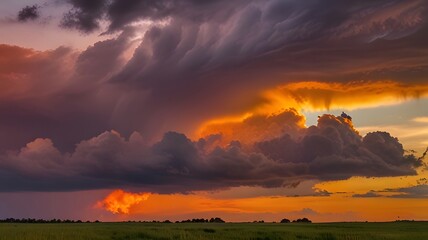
x=421 y=119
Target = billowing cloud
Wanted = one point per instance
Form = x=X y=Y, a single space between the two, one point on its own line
x=120 y=201
x=256 y=128
x=329 y=151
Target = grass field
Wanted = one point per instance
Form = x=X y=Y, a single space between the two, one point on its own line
x=262 y=231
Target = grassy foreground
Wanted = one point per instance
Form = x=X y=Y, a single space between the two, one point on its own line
x=262 y=231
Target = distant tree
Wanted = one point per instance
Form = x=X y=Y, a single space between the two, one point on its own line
x=302 y=220
x=198 y=220
x=259 y=221
x=216 y=220
x=285 y=220
x=167 y=221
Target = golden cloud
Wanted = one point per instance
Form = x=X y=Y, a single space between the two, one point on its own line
x=120 y=202
x=311 y=96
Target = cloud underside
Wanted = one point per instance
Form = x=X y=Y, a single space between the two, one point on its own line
x=332 y=150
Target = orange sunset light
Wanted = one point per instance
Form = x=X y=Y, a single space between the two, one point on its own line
x=249 y=110
x=120 y=201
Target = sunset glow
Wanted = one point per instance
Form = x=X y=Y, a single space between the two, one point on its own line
x=245 y=110
x=119 y=201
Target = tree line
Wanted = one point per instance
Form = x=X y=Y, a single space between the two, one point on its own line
x=33 y=220
x=194 y=220
x=299 y=220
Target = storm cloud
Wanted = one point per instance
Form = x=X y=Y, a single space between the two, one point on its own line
x=172 y=65
x=331 y=150
x=197 y=60
x=209 y=50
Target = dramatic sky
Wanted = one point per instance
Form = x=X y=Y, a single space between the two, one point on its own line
x=151 y=110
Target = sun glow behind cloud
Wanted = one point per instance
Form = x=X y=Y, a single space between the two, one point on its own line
x=319 y=96
x=121 y=202
x=334 y=95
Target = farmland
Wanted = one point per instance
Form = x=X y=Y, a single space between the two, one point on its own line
x=256 y=231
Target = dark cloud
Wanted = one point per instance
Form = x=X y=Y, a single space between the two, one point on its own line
x=417 y=191
x=370 y=194
x=332 y=150
x=85 y=15
x=317 y=193
x=422 y=181
x=28 y=13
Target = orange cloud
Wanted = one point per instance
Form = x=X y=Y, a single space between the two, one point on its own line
x=24 y=73
x=310 y=95
x=358 y=94
x=258 y=127
x=421 y=119
x=121 y=202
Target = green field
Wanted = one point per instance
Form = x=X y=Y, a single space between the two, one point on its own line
x=262 y=231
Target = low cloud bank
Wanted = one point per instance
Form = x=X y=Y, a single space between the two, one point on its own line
x=332 y=150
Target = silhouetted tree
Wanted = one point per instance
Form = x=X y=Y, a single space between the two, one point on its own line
x=216 y=220
x=302 y=220
x=285 y=220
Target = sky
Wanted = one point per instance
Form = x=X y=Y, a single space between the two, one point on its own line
x=118 y=110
